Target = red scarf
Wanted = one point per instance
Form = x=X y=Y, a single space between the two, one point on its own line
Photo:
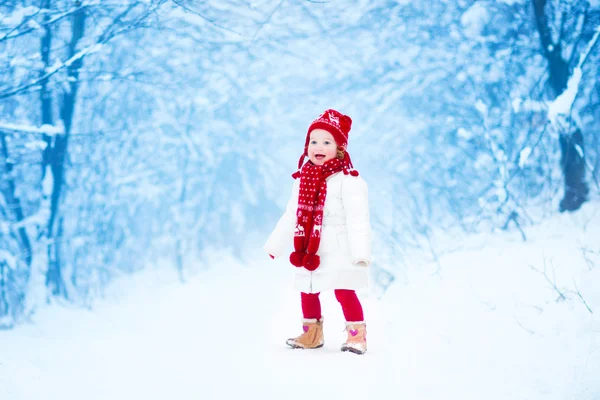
x=309 y=216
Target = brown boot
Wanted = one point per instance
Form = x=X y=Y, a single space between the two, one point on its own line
x=357 y=338
x=312 y=338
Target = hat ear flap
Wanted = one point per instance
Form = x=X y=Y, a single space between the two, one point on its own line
x=348 y=167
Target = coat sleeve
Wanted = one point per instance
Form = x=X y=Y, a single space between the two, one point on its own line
x=283 y=234
x=355 y=197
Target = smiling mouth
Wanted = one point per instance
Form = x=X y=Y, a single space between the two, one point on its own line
x=319 y=156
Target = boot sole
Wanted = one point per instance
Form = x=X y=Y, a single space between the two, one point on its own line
x=353 y=350
x=294 y=346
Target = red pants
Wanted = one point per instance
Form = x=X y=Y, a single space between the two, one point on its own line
x=353 y=312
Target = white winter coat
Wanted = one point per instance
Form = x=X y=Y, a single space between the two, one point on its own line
x=345 y=237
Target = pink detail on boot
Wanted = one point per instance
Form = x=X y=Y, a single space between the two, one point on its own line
x=305 y=328
x=353 y=332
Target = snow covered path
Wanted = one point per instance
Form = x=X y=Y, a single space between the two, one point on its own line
x=477 y=329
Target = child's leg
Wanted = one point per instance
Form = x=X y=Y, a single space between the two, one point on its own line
x=355 y=324
x=312 y=324
x=351 y=306
x=311 y=305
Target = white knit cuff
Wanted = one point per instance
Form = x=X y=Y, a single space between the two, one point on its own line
x=348 y=323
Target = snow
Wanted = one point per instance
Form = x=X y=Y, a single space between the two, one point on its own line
x=464 y=133
x=58 y=65
x=48 y=182
x=36 y=145
x=474 y=20
x=481 y=107
x=564 y=102
x=516 y=104
x=39 y=218
x=36 y=286
x=524 y=156
x=528 y=105
x=18 y=15
x=4 y=228
x=486 y=324
x=45 y=129
x=8 y=259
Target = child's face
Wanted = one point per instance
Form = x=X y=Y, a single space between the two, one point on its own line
x=321 y=147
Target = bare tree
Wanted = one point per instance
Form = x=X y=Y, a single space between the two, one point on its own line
x=560 y=68
x=56 y=154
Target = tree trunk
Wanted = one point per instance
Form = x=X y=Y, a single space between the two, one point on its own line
x=572 y=160
x=596 y=172
x=9 y=189
x=181 y=229
x=13 y=203
x=3 y=298
x=54 y=277
x=47 y=119
x=45 y=95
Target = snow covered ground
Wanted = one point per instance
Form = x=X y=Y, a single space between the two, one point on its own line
x=488 y=324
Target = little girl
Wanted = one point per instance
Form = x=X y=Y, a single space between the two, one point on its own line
x=327 y=220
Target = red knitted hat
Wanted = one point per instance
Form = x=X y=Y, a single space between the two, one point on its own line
x=335 y=123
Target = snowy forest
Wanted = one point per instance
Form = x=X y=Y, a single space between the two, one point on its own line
x=146 y=153
x=141 y=130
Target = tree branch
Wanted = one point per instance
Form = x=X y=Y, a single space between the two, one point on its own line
x=50 y=21
x=211 y=21
x=580 y=37
x=542 y=26
x=104 y=38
